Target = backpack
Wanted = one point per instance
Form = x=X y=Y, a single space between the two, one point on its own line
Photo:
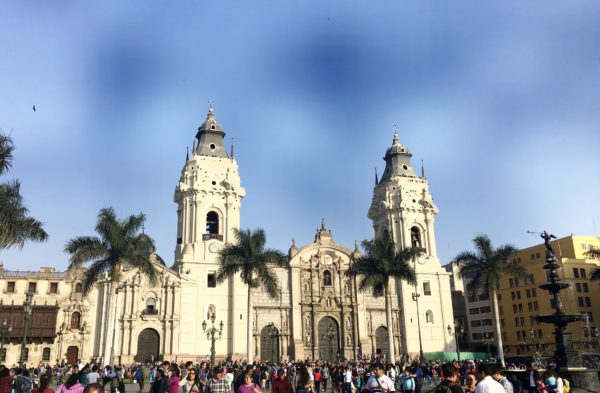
x=25 y=385
x=408 y=383
x=566 y=386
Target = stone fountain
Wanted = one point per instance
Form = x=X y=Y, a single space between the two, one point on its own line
x=568 y=360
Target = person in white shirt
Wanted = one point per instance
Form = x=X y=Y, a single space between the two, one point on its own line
x=93 y=376
x=487 y=384
x=501 y=379
x=379 y=382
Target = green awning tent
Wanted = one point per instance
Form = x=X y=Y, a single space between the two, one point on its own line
x=442 y=356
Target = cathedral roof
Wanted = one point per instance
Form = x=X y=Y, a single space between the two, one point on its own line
x=397 y=160
x=210 y=137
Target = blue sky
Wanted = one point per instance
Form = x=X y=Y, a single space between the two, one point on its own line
x=501 y=101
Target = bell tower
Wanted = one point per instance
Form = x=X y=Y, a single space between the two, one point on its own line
x=208 y=198
x=402 y=207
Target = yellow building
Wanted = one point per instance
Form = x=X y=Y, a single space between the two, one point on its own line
x=521 y=299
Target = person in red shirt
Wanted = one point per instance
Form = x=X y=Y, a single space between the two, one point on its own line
x=318 y=378
x=5 y=380
x=281 y=384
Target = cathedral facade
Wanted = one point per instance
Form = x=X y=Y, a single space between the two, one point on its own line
x=318 y=314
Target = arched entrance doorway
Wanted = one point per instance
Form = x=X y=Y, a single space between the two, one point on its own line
x=148 y=345
x=329 y=339
x=72 y=354
x=269 y=343
x=382 y=346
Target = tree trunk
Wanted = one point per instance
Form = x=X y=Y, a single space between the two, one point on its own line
x=250 y=335
x=498 y=331
x=388 y=320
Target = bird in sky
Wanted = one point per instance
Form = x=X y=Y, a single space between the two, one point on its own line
x=33 y=108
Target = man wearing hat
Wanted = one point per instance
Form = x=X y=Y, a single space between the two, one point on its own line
x=217 y=384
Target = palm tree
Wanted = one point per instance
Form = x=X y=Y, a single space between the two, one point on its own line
x=120 y=243
x=595 y=254
x=248 y=256
x=16 y=226
x=482 y=271
x=381 y=262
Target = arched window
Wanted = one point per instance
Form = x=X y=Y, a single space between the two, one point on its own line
x=210 y=311
x=429 y=317
x=327 y=280
x=212 y=223
x=75 y=320
x=78 y=288
x=415 y=237
x=46 y=354
x=151 y=306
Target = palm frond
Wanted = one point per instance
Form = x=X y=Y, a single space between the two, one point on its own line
x=268 y=280
x=94 y=273
x=16 y=226
x=84 y=249
x=6 y=153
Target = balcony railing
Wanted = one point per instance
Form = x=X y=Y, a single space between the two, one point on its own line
x=210 y=236
x=27 y=273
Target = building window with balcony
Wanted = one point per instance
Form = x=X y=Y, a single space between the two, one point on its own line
x=582 y=273
x=415 y=237
x=78 y=288
x=426 y=288
x=211 y=280
x=575 y=272
x=10 y=287
x=429 y=317
x=75 y=321
x=54 y=287
x=151 y=306
x=46 y=354
x=212 y=226
x=327 y=280
x=32 y=287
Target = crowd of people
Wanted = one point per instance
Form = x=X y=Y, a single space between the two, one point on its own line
x=285 y=377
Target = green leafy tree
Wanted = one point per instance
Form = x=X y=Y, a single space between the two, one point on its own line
x=16 y=226
x=482 y=271
x=120 y=242
x=374 y=269
x=248 y=256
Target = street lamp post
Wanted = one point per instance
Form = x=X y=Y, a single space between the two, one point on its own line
x=415 y=297
x=488 y=341
x=330 y=335
x=458 y=332
x=273 y=335
x=6 y=328
x=211 y=334
x=27 y=316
